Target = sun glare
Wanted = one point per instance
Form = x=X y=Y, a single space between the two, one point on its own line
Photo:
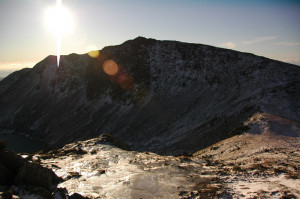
x=59 y=20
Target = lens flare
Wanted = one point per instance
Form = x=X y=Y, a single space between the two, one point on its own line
x=93 y=51
x=58 y=47
x=58 y=7
x=118 y=74
x=110 y=67
x=126 y=81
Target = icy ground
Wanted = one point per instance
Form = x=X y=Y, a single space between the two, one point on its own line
x=245 y=166
x=109 y=172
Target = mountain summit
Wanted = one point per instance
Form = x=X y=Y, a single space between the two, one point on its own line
x=167 y=97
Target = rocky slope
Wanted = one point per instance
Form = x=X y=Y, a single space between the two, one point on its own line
x=166 y=97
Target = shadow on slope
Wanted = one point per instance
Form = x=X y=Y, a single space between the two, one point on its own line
x=167 y=97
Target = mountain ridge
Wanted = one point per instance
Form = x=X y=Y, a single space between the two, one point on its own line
x=167 y=96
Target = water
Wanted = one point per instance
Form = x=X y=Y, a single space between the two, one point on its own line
x=22 y=144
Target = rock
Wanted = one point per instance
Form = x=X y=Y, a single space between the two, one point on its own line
x=35 y=175
x=33 y=192
x=73 y=175
x=14 y=170
x=10 y=163
x=60 y=193
x=101 y=171
x=77 y=196
x=108 y=138
x=74 y=150
x=11 y=160
x=45 y=156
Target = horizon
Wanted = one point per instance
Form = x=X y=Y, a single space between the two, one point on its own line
x=264 y=28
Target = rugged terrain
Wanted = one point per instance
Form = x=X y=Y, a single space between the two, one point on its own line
x=165 y=97
x=244 y=166
x=154 y=119
x=250 y=165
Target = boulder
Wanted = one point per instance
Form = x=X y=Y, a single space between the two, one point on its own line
x=108 y=138
x=10 y=163
x=15 y=170
x=35 y=175
x=11 y=160
x=77 y=196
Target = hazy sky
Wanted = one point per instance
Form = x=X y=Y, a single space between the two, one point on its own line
x=270 y=28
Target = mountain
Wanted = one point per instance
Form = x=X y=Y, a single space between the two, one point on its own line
x=166 y=97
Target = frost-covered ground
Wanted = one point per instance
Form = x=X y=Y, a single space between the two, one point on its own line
x=245 y=166
x=109 y=172
x=262 y=163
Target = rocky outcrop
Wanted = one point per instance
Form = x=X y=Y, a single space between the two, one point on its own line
x=26 y=178
x=109 y=139
x=35 y=175
x=163 y=96
x=10 y=163
x=17 y=171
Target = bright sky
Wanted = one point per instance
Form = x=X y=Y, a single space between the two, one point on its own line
x=269 y=28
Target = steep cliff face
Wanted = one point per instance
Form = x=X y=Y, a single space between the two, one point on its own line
x=163 y=96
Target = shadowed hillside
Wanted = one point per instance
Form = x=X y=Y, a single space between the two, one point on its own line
x=162 y=96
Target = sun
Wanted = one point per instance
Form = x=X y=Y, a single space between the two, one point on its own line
x=59 y=20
